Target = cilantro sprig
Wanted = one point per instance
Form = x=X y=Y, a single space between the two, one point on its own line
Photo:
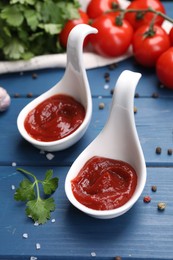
x=31 y=27
x=37 y=208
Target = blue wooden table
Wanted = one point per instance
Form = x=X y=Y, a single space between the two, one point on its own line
x=143 y=232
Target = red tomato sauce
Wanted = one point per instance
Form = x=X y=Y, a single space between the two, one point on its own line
x=104 y=184
x=55 y=118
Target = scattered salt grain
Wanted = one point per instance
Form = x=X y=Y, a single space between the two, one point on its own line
x=53 y=220
x=25 y=235
x=42 y=152
x=33 y=258
x=13 y=187
x=106 y=86
x=93 y=254
x=99 y=97
x=38 y=246
x=50 y=156
x=14 y=164
x=36 y=224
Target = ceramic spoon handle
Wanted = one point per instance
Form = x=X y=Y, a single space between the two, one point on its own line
x=75 y=45
x=125 y=89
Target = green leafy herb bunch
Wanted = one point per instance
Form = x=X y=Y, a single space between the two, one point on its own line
x=38 y=207
x=30 y=27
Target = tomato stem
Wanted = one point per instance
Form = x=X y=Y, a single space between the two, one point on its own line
x=142 y=12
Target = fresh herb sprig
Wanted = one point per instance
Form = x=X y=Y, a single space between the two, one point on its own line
x=31 y=27
x=37 y=208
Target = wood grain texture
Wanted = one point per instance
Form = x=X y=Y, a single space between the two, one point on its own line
x=143 y=232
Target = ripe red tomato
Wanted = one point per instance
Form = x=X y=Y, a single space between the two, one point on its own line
x=96 y=8
x=63 y=36
x=135 y=21
x=171 y=36
x=148 y=48
x=111 y=40
x=164 y=68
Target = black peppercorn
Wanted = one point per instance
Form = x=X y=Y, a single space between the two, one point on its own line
x=34 y=76
x=112 y=66
x=135 y=110
x=155 y=95
x=158 y=150
x=154 y=188
x=136 y=95
x=29 y=95
x=169 y=151
x=118 y=258
x=16 y=95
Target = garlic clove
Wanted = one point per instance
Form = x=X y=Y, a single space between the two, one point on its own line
x=5 y=99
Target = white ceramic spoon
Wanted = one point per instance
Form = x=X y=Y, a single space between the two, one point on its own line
x=73 y=83
x=118 y=140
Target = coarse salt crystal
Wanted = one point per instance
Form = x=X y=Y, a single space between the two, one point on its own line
x=13 y=187
x=50 y=156
x=106 y=86
x=33 y=258
x=93 y=254
x=25 y=235
x=38 y=246
x=14 y=164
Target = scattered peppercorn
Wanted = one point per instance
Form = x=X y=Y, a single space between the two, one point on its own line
x=16 y=95
x=107 y=76
x=161 y=206
x=118 y=258
x=34 y=76
x=107 y=79
x=169 y=151
x=154 y=188
x=136 y=95
x=112 y=91
x=135 y=110
x=101 y=105
x=160 y=85
x=112 y=66
x=158 y=150
x=155 y=95
x=147 y=199
x=29 y=95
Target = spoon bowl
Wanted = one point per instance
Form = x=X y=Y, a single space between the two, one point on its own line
x=74 y=83
x=118 y=140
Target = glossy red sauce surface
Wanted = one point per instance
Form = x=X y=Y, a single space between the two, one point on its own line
x=55 y=118
x=104 y=184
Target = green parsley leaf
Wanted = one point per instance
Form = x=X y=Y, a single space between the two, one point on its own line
x=12 y=15
x=31 y=2
x=49 y=184
x=51 y=28
x=25 y=191
x=37 y=208
x=25 y=24
x=32 y=19
x=14 y=49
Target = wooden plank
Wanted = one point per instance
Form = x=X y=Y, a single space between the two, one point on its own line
x=154 y=120
x=24 y=84
x=141 y=233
